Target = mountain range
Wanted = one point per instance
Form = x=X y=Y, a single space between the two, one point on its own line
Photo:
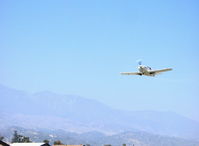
x=75 y=114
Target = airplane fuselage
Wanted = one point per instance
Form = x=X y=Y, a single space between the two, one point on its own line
x=144 y=70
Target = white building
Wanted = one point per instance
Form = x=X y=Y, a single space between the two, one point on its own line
x=28 y=144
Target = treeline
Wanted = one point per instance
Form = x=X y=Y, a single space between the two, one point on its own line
x=17 y=138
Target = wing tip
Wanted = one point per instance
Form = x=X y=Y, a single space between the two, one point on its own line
x=123 y=73
x=170 y=69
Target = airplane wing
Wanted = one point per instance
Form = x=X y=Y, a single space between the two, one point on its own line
x=130 y=73
x=159 y=71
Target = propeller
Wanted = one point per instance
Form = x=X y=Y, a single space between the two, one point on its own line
x=139 y=62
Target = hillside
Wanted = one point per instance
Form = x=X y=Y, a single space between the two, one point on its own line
x=71 y=113
x=94 y=138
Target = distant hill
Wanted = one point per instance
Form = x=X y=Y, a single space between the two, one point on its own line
x=98 y=139
x=77 y=114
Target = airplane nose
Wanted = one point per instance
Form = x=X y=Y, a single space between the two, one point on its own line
x=139 y=68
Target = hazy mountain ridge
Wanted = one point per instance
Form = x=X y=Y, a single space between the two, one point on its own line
x=76 y=114
x=98 y=139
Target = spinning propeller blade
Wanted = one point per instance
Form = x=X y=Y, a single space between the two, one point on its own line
x=139 y=62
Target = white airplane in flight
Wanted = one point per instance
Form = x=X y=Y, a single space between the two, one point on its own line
x=145 y=70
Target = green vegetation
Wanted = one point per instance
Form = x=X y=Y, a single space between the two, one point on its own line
x=1 y=137
x=46 y=141
x=20 y=138
x=58 y=142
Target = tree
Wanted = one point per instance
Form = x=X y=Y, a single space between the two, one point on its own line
x=25 y=139
x=46 y=141
x=1 y=137
x=58 y=142
x=20 y=138
x=15 y=137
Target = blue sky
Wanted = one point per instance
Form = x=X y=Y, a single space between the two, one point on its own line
x=80 y=47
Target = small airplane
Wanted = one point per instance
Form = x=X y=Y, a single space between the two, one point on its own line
x=145 y=70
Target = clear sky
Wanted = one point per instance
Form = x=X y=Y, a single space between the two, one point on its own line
x=80 y=47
